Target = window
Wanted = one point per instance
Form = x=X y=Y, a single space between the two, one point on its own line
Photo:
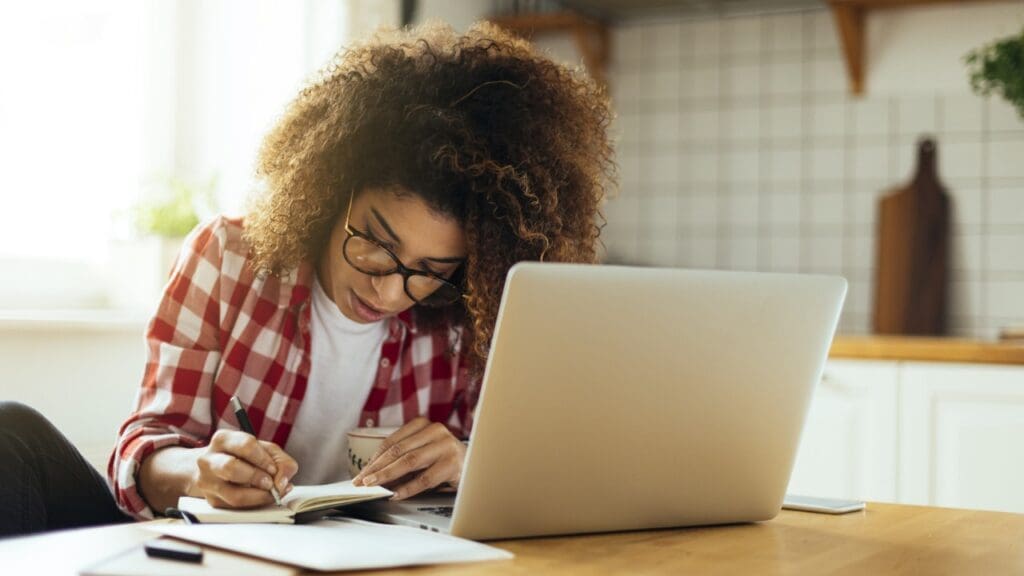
x=103 y=100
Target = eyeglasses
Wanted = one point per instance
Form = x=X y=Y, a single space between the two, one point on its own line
x=369 y=257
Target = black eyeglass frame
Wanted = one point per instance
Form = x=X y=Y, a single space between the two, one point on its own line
x=401 y=269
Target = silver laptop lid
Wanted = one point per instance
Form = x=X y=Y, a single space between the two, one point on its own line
x=619 y=398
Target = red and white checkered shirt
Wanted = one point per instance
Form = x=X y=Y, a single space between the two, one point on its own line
x=221 y=330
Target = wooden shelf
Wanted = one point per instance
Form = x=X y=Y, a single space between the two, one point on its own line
x=591 y=36
x=851 y=22
x=927 y=349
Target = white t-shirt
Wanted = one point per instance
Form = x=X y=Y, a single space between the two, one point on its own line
x=344 y=356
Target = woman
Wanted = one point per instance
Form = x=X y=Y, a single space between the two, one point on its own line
x=362 y=287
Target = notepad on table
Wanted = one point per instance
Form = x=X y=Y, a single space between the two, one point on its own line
x=336 y=543
x=300 y=500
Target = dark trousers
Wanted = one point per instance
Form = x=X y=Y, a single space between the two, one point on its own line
x=45 y=483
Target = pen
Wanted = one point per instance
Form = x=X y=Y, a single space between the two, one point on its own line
x=246 y=426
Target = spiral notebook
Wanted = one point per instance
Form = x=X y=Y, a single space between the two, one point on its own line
x=300 y=500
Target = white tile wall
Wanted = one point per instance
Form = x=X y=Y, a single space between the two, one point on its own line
x=739 y=148
x=962 y=159
x=784 y=209
x=962 y=113
x=785 y=253
x=827 y=208
x=785 y=77
x=1006 y=204
x=966 y=207
x=827 y=118
x=917 y=115
x=1006 y=158
x=1005 y=254
x=785 y=33
x=1001 y=116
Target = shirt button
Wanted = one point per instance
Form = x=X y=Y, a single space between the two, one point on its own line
x=385 y=362
x=369 y=422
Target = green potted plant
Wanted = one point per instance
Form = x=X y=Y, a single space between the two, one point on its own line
x=141 y=260
x=175 y=211
x=998 y=68
x=171 y=212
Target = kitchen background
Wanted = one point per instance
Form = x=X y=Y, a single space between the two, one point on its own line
x=741 y=148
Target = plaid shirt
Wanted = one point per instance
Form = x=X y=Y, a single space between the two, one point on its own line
x=220 y=330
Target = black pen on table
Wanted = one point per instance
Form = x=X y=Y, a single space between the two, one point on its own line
x=246 y=426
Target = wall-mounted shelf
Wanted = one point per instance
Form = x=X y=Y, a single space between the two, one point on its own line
x=591 y=36
x=851 y=22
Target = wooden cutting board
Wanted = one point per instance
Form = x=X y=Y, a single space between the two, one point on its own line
x=912 y=258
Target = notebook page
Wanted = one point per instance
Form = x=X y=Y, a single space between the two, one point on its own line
x=310 y=497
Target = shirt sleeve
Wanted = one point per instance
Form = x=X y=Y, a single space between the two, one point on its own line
x=172 y=406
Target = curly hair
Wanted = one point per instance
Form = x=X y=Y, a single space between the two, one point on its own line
x=484 y=129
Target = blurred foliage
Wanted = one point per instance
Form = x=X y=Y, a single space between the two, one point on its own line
x=176 y=209
x=999 y=68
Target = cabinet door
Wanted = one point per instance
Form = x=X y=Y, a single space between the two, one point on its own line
x=963 y=435
x=848 y=447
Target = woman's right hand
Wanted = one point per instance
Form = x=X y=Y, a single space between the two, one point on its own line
x=235 y=470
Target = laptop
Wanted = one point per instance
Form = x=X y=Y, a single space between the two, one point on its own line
x=620 y=398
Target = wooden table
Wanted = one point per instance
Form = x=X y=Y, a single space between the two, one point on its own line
x=884 y=539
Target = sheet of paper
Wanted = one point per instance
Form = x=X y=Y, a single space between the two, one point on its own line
x=337 y=544
x=134 y=562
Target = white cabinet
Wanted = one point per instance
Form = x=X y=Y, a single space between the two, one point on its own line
x=849 y=444
x=962 y=435
x=941 y=433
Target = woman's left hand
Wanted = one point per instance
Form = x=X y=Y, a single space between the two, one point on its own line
x=427 y=452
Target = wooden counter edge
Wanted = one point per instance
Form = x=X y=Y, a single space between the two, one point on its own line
x=927 y=349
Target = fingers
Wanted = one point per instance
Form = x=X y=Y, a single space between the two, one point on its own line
x=238 y=471
x=446 y=467
x=228 y=468
x=244 y=446
x=227 y=482
x=422 y=461
x=407 y=438
x=430 y=478
x=287 y=467
x=411 y=428
x=412 y=461
x=238 y=497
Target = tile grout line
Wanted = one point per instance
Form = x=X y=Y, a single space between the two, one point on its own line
x=642 y=231
x=684 y=193
x=722 y=228
x=765 y=152
x=803 y=248
x=984 y=201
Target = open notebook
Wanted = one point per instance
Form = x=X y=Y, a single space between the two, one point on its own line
x=301 y=499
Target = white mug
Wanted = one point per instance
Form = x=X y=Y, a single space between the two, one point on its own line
x=363 y=444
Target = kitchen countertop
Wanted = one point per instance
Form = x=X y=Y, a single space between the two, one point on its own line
x=927 y=349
